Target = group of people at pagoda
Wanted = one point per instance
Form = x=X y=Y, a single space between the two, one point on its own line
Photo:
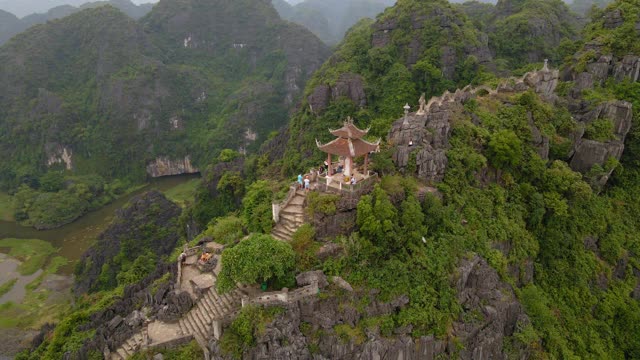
x=348 y=145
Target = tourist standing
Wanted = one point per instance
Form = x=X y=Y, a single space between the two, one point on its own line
x=299 y=181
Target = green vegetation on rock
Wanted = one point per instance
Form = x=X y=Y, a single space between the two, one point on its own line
x=246 y=328
x=258 y=259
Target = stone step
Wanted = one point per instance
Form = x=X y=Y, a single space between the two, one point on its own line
x=123 y=354
x=204 y=302
x=297 y=200
x=232 y=301
x=224 y=300
x=280 y=236
x=279 y=231
x=298 y=219
x=301 y=193
x=289 y=227
x=215 y=302
x=293 y=210
x=206 y=314
x=291 y=222
x=202 y=325
x=188 y=325
x=194 y=329
x=183 y=329
x=286 y=230
x=116 y=356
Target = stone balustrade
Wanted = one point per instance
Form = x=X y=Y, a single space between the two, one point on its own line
x=283 y=296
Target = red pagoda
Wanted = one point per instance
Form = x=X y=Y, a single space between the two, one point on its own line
x=349 y=145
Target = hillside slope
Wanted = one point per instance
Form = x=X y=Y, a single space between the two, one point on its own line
x=170 y=92
x=11 y=26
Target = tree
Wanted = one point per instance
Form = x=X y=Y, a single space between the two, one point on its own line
x=412 y=220
x=256 y=210
x=52 y=181
x=377 y=219
x=227 y=230
x=505 y=149
x=258 y=259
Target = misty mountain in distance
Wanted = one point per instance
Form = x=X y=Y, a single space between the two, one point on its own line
x=10 y=25
x=23 y=8
x=330 y=19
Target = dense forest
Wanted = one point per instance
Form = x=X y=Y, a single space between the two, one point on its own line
x=503 y=225
x=103 y=95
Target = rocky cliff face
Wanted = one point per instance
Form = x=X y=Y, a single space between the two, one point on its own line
x=164 y=166
x=148 y=219
x=424 y=135
x=497 y=315
x=350 y=86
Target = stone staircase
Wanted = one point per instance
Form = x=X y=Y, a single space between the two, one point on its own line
x=291 y=217
x=212 y=306
x=198 y=322
x=131 y=346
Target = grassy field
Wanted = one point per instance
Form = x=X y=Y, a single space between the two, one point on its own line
x=6 y=207
x=39 y=306
x=6 y=287
x=183 y=193
x=33 y=253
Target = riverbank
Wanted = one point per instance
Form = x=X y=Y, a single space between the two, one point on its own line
x=74 y=239
x=36 y=266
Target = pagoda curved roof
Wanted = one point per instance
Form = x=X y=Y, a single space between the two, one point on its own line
x=349 y=130
x=348 y=147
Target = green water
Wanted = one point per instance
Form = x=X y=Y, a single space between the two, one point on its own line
x=75 y=238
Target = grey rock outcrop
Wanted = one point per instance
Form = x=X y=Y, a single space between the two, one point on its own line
x=348 y=85
x=428 y=137
x=309 y=277
x=165 y=166
x=425 y=134
x=480 y=291
x=588 y=153
x=613 y=19
x=628 y=67
x=148 y=209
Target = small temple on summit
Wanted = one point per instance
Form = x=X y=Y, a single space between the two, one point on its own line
x=348 y=145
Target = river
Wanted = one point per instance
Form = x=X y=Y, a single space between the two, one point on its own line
x=75 y=238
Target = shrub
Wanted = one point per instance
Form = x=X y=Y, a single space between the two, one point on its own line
x=258 y=259
x=227 y=230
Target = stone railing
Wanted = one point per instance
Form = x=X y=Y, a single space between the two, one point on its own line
x=276 y=208
x=327 y=184
x=283 y=296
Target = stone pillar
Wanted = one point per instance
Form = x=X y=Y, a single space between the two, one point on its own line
x=245 y=300
x=285 y=294
x=348 y=166
x=330 y=167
